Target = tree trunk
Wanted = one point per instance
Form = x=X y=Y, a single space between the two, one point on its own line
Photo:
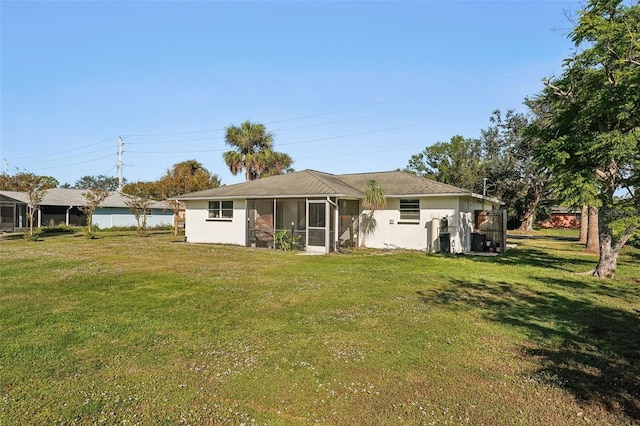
x=31 y=213
x=367 y=222
x=526 y=223
x=584 y=224
x=593 y=243
x=608 y=260
x=609 y=250
x=89 y=223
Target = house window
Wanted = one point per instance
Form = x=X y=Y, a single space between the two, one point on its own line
x=220 y=209
x=410 y=211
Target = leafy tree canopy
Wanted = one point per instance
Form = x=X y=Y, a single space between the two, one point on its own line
x=102 y=182
x=589 y=122
x=514 y=174
x=187 y=176
x=457 y=162
x=94 y=197
x=22 y=181
x=499 y=164
x=141 y=189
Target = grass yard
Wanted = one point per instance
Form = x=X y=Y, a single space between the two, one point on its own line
x=128 y=330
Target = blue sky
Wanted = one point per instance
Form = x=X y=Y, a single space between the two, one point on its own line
x=344 y=86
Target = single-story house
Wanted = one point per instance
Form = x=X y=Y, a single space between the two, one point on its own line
x=62 y=206
x=324 y=211
x=562 y=217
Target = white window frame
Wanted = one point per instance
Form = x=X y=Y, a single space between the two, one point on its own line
x=220 y=210
x=410 y=211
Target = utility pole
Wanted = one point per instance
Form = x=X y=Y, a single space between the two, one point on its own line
x=119 y=164
x=484 y=191
x=5 y=167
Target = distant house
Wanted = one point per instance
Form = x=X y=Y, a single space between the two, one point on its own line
x=563 y=217
x=323 y=211
x=62 y=206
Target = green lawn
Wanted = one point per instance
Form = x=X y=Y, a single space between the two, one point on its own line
x=123 y=329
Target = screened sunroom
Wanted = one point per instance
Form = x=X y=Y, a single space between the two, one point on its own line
x=311 y=224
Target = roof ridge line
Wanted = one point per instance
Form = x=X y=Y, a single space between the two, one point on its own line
x=337 y=177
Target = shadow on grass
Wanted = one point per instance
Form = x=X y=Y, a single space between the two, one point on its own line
x=588 y=349
x=542 y=237
x=529 y=256
x=12 y=236
x=634 y=256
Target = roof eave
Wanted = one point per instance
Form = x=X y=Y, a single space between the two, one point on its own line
x=423 y=195
x=255 y=197
x=485 y=198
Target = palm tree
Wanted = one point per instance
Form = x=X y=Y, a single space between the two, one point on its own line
x=373 y=199
x=249 y=140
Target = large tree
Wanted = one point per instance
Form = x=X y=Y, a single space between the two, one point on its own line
x=102 y=182
x=457 y=162
x=187 y=176
x=21 y=181
x=502 y=157
x=147 y=189
x=253 y=152
x=590 y=123
x=516 y=176
x=272 y=163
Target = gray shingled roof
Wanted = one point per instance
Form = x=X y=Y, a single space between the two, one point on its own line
x=309 y=183
x=399 y=183
x=73 y=197
x=14 y=195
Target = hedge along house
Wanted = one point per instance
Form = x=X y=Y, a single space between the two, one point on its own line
x=324 y=210
x=62 y=206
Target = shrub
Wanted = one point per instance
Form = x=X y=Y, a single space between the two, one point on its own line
x=283 y=240
x=59 y=229
x=32 y=237
x=135 y=228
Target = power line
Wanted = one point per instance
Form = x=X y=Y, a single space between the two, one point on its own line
x=64 y=152
x=218 y=139
x=328 y=122
x=73 y=164
x=359 y=153
x=173 y=141
x=300 y=127
x=357 y=107
x=176 y=152
x=222 y=139
x=172 y=133
x=56 y=158
x=423 y=123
